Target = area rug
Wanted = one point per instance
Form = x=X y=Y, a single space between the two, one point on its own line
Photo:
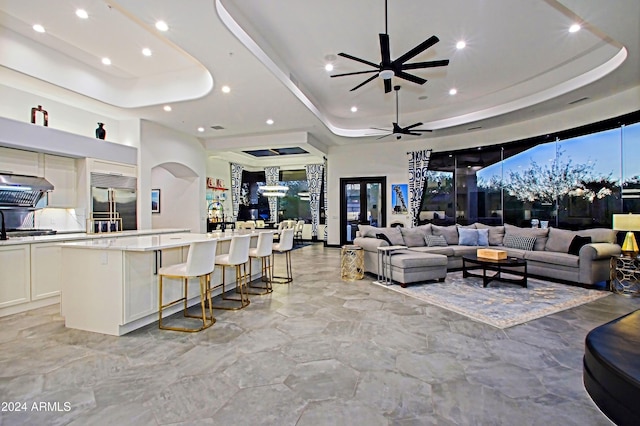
x=500 y=304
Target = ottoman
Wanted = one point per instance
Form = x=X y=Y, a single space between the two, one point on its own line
x=410 y=267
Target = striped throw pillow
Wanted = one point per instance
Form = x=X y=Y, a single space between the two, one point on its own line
x=435 y=241
x=519 y=242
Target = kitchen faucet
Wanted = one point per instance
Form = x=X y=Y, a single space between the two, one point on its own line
x=3 y=231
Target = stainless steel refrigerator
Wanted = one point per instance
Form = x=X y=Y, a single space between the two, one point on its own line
x=114 y=195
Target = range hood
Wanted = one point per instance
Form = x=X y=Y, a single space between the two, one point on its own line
x=21 y=191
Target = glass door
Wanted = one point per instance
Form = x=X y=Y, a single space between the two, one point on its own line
x=362 y=201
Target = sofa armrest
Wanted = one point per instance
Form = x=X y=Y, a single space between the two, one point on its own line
x=595 y=251
x=369 y=244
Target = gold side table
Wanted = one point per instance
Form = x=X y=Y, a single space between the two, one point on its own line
x=625 y=275
x=351 y=263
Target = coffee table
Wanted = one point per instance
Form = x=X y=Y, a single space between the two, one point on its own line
x=510 y=265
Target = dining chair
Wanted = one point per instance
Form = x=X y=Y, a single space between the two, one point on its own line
x=200 y=264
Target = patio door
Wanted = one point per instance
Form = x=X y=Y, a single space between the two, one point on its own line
x=362 y=201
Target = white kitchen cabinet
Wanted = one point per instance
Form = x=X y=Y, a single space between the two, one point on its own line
x=19 y=162
x=141 y=284
x=109 y=167
x=15 y=274
x=46 y=270
x=62 y=173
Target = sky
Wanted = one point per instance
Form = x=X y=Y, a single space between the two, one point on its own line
x=615 y=152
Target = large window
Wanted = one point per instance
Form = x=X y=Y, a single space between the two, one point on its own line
x=573 y=180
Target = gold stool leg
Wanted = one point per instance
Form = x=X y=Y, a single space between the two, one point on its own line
x=206 y=321
x=289 y=277
x=244 y=298
x=267 y=288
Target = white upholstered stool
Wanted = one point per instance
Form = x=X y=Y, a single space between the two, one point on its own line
x=200 y=264
x=262 y=251
x=238 y=256
x=284 y=246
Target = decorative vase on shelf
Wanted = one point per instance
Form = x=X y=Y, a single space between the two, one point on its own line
x=101 y=133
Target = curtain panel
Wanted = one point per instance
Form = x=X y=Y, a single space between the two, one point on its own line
x=418 y=166
x=236 y=187
x=314 y=182
x=272 y=178
x=326 y=216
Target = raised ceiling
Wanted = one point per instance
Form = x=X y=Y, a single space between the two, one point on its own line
x=520 y=61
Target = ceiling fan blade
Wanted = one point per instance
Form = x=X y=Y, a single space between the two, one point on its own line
x=421 y=130
x=353 y=73
x=353 y=58
x=387 y=86
x=410 y=77
x=414 y=134
x=364 y=82
x=378 y=128
x=413 y=125
x=417 y=50
x=430 y=64
x=382 y=137
x=385 y=53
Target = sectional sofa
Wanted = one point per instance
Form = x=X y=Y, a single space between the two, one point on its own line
x=578 y=257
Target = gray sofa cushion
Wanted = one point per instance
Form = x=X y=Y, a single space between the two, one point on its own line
x=553 y=258
x=559 y=240
x=447 y=251
x=539 y=233
x=599 y=235
x=394 y=235
x=496 y=233
x=425 y=228
x=463 y=250
x=413 y=237
x=450 y=233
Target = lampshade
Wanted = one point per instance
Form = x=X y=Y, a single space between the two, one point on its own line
x=629 y=223
x=626 y=222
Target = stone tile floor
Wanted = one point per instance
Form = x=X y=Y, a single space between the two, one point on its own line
x=318 y=351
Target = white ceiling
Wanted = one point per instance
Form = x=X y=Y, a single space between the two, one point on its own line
x=520 y=62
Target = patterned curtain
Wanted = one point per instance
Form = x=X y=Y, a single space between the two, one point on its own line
x=272 y=177
x=326 y=212
x=314 y=181
x=236 y=188
x=418 y=165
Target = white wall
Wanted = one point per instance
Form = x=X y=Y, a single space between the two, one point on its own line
x=183 y=203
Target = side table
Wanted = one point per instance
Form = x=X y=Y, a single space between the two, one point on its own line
x=625 y=275
x=351 y=263
x=385 y=274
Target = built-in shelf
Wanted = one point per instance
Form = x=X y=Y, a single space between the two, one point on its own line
x=218 y=188
x=36 y=138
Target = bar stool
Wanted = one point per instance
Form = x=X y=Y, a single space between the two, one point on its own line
x=283 y=247
x=200 y=263
x=238 y=256
x=262 y=251
x=298 y=234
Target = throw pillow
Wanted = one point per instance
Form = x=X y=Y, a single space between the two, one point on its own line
x=383 y=237
x=539 y=233
x=559 y=240
x=496 y=233
x=468 y=237
x=413 y=237
x=483 y=237
x=519 y=242
x=577 y=243
x=367 y=230
x=450 y=233
x=435 y=241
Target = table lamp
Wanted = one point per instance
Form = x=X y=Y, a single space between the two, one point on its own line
x=628 y=222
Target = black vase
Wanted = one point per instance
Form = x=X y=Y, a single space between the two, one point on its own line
x=101 y=133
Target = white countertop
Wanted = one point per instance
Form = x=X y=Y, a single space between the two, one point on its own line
x=84 y=236
x=155 y=242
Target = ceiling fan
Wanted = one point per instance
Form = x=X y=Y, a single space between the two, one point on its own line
x=388 y=68
x=399 y=131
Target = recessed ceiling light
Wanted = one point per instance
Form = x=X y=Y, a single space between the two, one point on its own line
x=162 y=26
x=461 y=45
x=269 y=122
x=146 y=51
x=106 y=61
x=328 y=67
x=453 y=91
x=354 y=109
x=82 y=14
x=226 y=89
x=38 y=28
x=574 y=28
x=201 y=129
x=167 y=108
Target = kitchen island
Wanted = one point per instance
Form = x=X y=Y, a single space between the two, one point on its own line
x=110 y=286
x=31 y=271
